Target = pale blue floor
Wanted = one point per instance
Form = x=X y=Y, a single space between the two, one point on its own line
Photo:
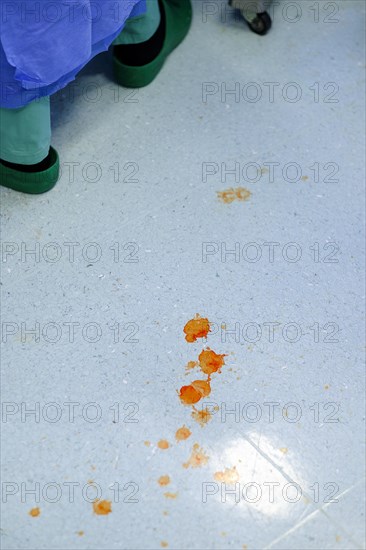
x=147 y=188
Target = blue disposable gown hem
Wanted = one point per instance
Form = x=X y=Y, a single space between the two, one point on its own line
x=41 y=50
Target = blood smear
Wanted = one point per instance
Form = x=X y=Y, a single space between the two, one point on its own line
x=189 y=395
x=182 y=433
x=230 y=195
x=34 y=512
x=203 y=386
x=229 y=475
x=102 y=507
x=202 y=417
x=197 y=458
x=210 y=361
x=191 y=365
x=164 y=480
x=171 y=495
x=198 y=327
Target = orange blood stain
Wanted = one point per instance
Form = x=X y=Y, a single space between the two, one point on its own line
x=164 y=480
x=182 y=433
x=197 y=458
x=229 y=475
x=230 y=195
x=80 y=533
x=203 y=386
x=34 y=512
x=147 y=443
x=189 y=395
x=164 y=544
x=201 y=416
x=191 y=365
x=102 y=507
x=210 y=361
x=171 y=495
x=163 y=444
x=198 y=327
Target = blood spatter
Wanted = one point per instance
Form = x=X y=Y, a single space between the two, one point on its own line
x=147 y=443
x=34 y=512
x=191 y=365
x=189 y=395
x=102 y=507
x=80 y=533
x=202 y=416
x=164 y=480
x=203 y=386
x=182 y=433
x=164 y=544
x=171 y=495
x=198 y=327
x=229 y=195
x=229 y=475
x=197 y=458
x=163 y=444
x=210 y=361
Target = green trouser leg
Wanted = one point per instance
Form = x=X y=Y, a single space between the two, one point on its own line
x=141 y=28
x=25 y=133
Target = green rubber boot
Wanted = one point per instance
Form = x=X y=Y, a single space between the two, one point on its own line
x=178 y=17
x=32 y=182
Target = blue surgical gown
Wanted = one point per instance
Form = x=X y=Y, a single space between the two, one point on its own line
x=45 y=43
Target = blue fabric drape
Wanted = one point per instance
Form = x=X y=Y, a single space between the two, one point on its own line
x=45 y=43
